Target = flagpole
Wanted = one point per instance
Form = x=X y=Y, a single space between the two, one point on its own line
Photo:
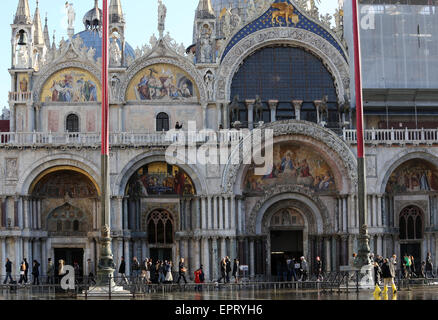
x=106 y=263
x=363 y=239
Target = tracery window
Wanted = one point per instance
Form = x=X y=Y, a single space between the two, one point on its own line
x=411 y=223
x=160 y=228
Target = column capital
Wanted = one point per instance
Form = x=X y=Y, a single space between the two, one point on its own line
x=249 y=103
x=273 y=104
x=297 y=103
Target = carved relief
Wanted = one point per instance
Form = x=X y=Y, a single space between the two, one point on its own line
x=11 y=165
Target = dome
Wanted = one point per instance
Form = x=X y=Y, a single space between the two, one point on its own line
x=93 y=39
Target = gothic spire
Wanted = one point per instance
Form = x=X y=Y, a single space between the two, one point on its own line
x=38 y=38
x=46 y=34
x=23 y=13
x=115 y=12
x=205 y=10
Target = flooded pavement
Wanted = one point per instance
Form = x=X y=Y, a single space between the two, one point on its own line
x=284 y=294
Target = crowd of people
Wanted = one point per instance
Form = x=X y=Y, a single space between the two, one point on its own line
x=299 y=270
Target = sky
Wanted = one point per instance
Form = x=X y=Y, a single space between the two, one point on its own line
x=141 y=16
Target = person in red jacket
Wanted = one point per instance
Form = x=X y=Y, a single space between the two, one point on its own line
x=199 y=277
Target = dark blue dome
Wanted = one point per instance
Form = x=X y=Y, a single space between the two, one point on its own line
x=93 y=39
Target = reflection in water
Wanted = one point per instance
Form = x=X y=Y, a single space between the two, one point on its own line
x=224 y=294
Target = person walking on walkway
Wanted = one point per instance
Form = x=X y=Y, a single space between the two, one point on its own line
x=50 y=271
x=228 y=268
x=90 y=272
x=304 y=267
x=429 y=265
x=199 y=278
x=319 y=276
x=122 y=270
x=377 y=272
x=168 y=270
x=135 y=269
x=36 y=272
x=181 y=271
x=8 y=267
x=223 y=270
x=22 y=273
x=388 y=277
x=393 y=263
x=236 y=270
x=26 y=271
x=161 y=271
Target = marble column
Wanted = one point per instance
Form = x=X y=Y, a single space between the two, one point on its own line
x=43 y=261
x=204 y=115
x=118 y=213
x=223 y=248
x=370 y=210
x=127 y=257
x=297 y=106
x=226 y=115
x=26 y=212
x=3 y=255
x=251 y=259
x=125 y=214
x=250 y=107
x=273 y=108
x=215 y=260
x=206 y=258
x=374 y=203
x=233 y=213
x=209 y=211
x=379 y=211
x=194 y=256
x=221 y=213
x=38 y=126
x=227 y=212
x=219 y=114
x=239 y=215
x=215 y=203
x=379 y=250
x=12 y=117
x=203 y=213
x=345 y=214
x=328 y=259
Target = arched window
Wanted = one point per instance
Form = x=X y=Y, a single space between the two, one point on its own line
x=285 y=73
x=160 y=228
x=72 y=124
x=162 y=122
x=411 y=223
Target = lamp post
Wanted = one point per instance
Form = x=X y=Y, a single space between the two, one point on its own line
x=106 y=263
x=362 y=258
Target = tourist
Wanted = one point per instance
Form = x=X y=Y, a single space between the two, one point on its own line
x=90 y=271
x=412 y=269
x=22 y=272
x=354 y=257
x=199 y=278
x=319 y=276
x=148 y=270
x=423 y=270
x=429 y=265
x=223 y=270
x=377 y=272
x=228 y=268
x=77 y=271
x=26 y=271
x=236 y=270
x=393 y=263
x=8 y=267
x=50 y=272
x=304 y=267
x=406 y=266
x=297 y=269
x=122 y=270
x=36 y=272
x=178 y=126
x=161 y=271
x=388 y=276
x=135 y=269
x=182 y=271
x=61 y=270
x=168 y=270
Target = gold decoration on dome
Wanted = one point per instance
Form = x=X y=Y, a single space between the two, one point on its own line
x=286 y=11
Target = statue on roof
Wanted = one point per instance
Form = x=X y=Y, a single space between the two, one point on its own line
x=71 y=14
x=162 y=13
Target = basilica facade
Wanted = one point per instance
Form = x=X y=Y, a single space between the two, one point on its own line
x=266 y=64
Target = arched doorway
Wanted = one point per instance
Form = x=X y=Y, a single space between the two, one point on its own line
x=286 y=234
x=64 y=202
x=161 y=235
x=411 y=226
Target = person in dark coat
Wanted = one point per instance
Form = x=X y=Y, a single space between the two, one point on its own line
x=181 y=271
x=122 y=270
x=228 y=268
x=377 y=272
x=8 y=267
x=26 y=279
x=36 y=272
x=429 y=265
x=318 y=269
x=236 y=270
